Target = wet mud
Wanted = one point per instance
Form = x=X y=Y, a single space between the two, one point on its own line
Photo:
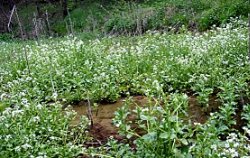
x=103 y=128
x=102 y=116
x=199 y=114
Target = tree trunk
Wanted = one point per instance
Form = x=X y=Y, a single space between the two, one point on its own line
x=39 y=13
x=47 y=24
x=65 y=8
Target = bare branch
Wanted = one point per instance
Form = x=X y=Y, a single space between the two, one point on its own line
x=10 y=19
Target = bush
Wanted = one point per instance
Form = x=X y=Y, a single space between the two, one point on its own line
x=5 y=37
x=120 y=25
x=60 y=28
x=221 y=13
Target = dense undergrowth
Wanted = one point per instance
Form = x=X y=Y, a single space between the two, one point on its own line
x=163 y=66
x=93 y=19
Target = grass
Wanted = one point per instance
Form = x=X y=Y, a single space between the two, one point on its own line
x=161 y=66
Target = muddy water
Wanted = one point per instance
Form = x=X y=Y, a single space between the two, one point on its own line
x=103 y=128
x=104 y=113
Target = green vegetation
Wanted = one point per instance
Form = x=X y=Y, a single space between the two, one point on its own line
x=124 y=16
x=36 y=130
x=100 y=18
x=135 y=18
x=35 y=78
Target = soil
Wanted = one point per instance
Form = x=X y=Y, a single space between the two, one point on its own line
x=240 y=122
x=102 y=128
x=199 y=114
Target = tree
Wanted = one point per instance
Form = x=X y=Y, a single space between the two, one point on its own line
x=65 y=8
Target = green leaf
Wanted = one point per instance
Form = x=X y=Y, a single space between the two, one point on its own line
x=184 y=141
x=3 y=106
x=164 y=135
x=129 y=135
x=150 y=136
x=143 y=117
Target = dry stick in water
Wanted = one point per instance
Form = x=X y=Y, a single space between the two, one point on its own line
x=90 y=116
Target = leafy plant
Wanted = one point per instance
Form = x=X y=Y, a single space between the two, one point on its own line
x=165 y=134
x=36 y=130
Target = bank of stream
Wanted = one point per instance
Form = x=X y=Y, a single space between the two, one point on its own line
x=103 y=114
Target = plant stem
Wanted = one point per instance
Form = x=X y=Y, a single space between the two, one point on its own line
x=26 y=58
x=249 y=36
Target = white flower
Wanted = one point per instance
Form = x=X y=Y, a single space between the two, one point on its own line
x=22 y=94
x=39 y=106
x=55 y=95
x=247 y=130
x=26 y=146
x=214 y=147
x=53 y=138
x=197 y=124
x=17 y=149
x=4 y=95
x=8 y=137
x=16 y=113
x=233 y=152
x=24 y=102
x=236 y=144
x=227 y=145
x=49 y=129
x=36 y=119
